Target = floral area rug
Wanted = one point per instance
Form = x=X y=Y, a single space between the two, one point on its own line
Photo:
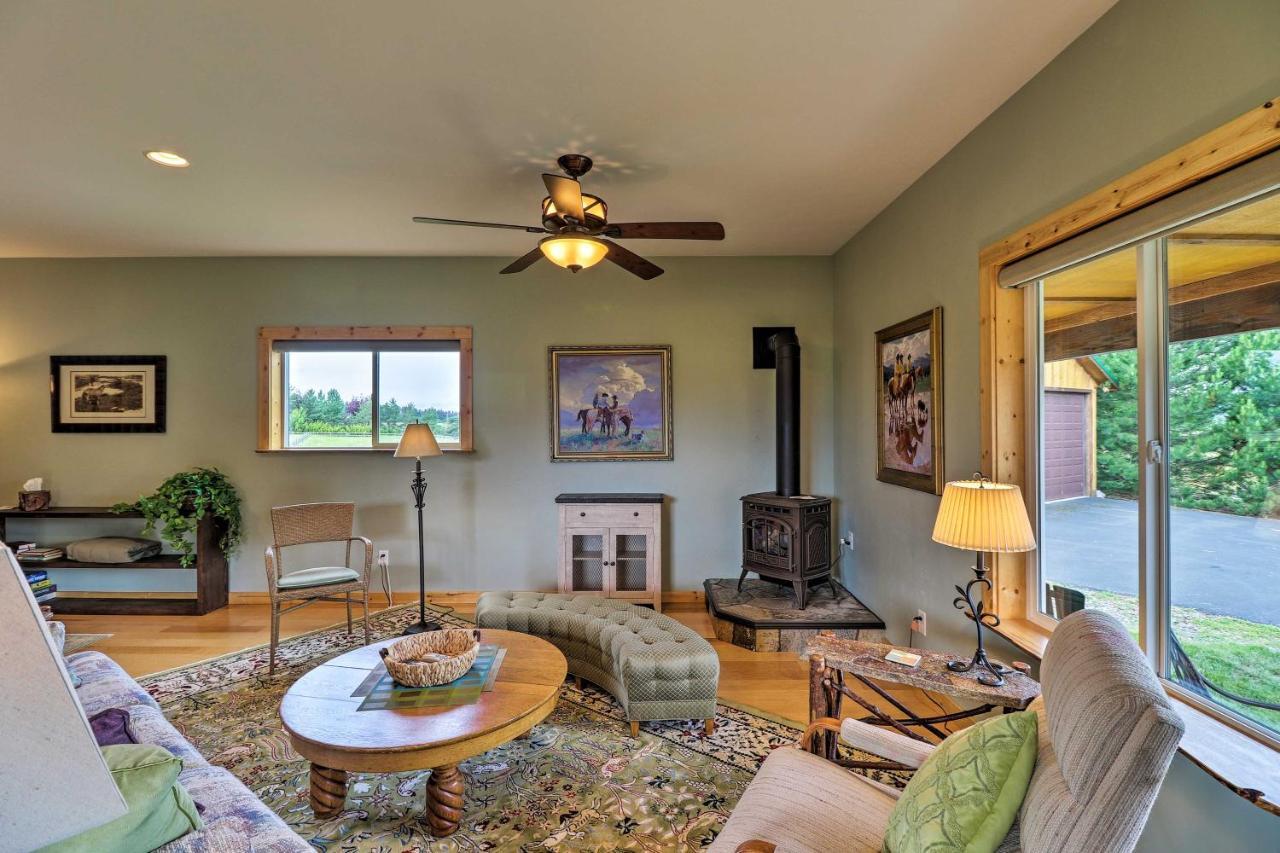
x=80 y=642
x=578 y=782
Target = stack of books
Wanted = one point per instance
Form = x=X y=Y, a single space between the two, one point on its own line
x=41 y=587
x=33 y=554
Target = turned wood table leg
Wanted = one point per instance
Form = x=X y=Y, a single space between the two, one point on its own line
x=328 y=790
x=444 y=800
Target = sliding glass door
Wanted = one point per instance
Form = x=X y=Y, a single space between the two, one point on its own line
x=1156 y=436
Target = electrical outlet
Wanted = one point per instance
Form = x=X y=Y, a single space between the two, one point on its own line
x=921 y=623
x=384 y=559
x=848 y=539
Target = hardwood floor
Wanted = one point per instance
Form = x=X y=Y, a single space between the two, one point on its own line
x=775 y=683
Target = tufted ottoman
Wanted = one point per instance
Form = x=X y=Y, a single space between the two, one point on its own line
x=657 y=668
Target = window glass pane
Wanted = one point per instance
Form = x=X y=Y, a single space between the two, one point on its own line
x=1224 y=459
x=1088 y=474
x=329 y=403
x=419 y=386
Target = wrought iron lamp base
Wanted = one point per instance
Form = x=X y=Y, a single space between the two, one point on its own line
x=419 y=488
x=990 y=673
x=992 y=677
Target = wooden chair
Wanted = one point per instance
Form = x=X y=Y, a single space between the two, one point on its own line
x=304 y=524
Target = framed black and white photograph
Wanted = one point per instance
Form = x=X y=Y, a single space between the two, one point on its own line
x=107 y=393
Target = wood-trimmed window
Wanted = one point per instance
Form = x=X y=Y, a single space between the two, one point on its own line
x=1025 y=330
x=355 y=388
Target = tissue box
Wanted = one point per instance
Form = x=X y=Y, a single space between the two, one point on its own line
x=33 y=501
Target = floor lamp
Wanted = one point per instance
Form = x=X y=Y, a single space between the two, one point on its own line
x=418 y=441
x=986 y=517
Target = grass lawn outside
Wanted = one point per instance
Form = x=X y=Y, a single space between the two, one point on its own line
x=1235 y=654
x=347 y=439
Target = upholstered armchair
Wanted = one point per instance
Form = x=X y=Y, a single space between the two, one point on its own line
x=304 y=524
x=1107 y=734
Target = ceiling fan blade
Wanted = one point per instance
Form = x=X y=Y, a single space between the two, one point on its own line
x=431 y=220
x=566 y=195
x=631 y=262
x=666 y=230
x=523 y=262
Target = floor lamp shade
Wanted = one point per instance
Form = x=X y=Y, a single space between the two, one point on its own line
x=979 y=515
x=55 y=782
x=418 y=441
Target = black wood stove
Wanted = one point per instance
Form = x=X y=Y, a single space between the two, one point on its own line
x=786 y=536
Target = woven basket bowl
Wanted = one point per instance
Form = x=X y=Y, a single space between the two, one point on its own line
x=404 y=657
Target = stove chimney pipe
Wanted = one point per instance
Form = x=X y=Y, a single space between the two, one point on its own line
x=786 y=349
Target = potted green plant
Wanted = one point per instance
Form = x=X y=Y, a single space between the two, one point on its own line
x=177 y=506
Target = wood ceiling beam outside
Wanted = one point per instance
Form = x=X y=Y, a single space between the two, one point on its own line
x=1227 y=239
x=1232 y=312
x=1203 y=289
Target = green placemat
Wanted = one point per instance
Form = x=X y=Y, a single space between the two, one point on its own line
x=381 y=692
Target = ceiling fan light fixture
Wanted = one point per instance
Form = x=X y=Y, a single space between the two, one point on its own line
x=573 y=252
x=594 y=207
x=167 y=158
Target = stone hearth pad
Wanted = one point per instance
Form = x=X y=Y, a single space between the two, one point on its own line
x=764 y=617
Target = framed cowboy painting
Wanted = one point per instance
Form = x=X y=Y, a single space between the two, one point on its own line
x=909 y=403
x=610 y=403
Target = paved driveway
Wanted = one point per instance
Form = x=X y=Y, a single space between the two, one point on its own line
x=1222 y=564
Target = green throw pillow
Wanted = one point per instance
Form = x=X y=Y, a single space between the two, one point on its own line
x=160 y=809
x=965 y=796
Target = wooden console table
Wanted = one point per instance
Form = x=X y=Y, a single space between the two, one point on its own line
x=832 y=659
x=210 y=568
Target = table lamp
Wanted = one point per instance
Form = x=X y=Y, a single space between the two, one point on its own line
x=55 y=782
x=982 y=516
x=418 y=441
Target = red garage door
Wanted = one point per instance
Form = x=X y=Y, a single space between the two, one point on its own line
x=1066 y=453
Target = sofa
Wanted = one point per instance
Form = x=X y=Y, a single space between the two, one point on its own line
x=234 y=819
x=656 y=667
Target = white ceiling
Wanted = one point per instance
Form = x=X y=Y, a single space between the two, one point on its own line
x=320 y=128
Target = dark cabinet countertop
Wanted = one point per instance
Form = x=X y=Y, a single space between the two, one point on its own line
x=610 y=498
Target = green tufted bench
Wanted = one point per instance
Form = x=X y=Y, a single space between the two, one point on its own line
x=656 y=667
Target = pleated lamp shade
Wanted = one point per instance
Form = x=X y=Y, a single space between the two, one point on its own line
x=979 y=515
x=418 y=441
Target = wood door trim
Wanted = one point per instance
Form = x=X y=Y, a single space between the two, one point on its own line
x=1002 y=325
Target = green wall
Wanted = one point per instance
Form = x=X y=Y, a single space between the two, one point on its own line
x=1148 y=77
x=491 y=520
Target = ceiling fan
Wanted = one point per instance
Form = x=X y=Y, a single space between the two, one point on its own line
x=578 y=228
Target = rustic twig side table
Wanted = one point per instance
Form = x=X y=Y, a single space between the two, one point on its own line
x=834 y=659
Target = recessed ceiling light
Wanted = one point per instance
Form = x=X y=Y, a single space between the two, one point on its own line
x=168 y=158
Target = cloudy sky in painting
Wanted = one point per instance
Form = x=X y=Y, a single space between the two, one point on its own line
x=635 y=379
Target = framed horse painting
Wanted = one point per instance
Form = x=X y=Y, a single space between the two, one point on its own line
x=909 y=403
x=610 y=403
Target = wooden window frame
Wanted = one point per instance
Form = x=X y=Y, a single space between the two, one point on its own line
x=1002 y=323
x=1214 y=741
x=271 y=378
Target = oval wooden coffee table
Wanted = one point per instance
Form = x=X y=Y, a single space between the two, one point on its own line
x=320 y=715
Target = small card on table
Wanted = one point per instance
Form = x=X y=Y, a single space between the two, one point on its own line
x=904 y=658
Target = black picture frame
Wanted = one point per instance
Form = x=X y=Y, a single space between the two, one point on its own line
x=159 y=368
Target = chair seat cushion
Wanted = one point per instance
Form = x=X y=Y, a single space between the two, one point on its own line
x=320 y=576
x=806 y=804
